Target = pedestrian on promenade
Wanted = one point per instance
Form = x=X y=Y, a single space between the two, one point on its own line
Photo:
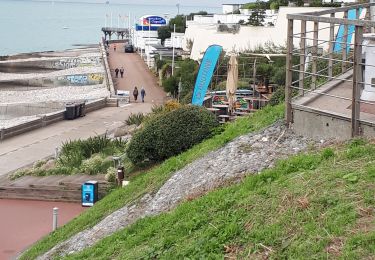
x=116 y=71
x=114 y=47
x=122 y=72
x=143 y=94
x=135 y=93
x=107 y=43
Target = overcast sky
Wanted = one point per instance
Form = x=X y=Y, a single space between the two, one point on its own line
x=214 y=3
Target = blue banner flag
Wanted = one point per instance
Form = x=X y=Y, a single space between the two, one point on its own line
x=340 y=37
x=206 y=70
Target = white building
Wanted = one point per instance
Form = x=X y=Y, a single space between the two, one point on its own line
x=247 y=37
x=270 y=17
x=176 y=40
x=230 y=8
x=146 y=30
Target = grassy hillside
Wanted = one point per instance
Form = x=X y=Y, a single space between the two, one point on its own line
x=153 y=179
x=311 y=206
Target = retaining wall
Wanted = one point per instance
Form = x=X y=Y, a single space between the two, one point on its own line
x=318 y=124
x=107 y=70
x=48 y=119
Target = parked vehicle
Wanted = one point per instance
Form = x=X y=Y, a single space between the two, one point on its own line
x=129 y=48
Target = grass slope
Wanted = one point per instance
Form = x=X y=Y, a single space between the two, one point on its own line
x=152 y=180
x=310 y=206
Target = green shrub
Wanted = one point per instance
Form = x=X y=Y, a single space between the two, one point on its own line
x=96 y=164
x=135 y=119
x=278 y=96
x=171 y=133
x=74 y=152
x=111 y=174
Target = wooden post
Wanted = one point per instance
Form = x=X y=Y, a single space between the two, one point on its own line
x=288 y=81
x=357 y=79
x=302 y=57
x=344 y=40
x=314 y=54
x=368 y=18
x=330 y=48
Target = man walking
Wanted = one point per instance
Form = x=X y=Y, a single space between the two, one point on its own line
x=143 y=94
x=116 y=71
x=122 y=72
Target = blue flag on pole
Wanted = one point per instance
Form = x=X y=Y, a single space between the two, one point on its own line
x=206 y=70
x=340 y=37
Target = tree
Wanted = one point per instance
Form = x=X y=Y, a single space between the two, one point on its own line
x=180 y=22
x=191 y=15
x=257 y=17
x=163 y=33
x=187 y=73
x=170 y=85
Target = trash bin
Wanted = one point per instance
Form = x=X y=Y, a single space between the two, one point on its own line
x=78 y=110
x=82 y=109
x=89 y=193
x=70 y=111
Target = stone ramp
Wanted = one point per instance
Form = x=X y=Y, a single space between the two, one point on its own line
x=65 y=188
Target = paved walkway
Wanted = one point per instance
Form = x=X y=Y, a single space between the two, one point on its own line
x=25 y=149
x=136 y=74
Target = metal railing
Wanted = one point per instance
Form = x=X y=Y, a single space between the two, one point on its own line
x=325 y=48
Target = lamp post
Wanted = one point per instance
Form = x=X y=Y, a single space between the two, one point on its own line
x=148 y=45
x=174 y=31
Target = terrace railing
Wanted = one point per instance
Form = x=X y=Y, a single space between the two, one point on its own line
x=325 y=47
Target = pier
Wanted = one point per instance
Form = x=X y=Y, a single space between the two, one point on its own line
x=124 y=33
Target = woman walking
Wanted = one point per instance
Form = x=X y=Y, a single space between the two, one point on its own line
x=135 y=93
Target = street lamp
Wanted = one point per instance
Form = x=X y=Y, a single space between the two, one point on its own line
x=174 y=32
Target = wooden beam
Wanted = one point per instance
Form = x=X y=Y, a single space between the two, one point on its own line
x=323 y=19
x=344 y=44
x=330 y=47
x=336 y=9
x=314 y=54
x=357 y=79
x=302 y=58
x=288 y=82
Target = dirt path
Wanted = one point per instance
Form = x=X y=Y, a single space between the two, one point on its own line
x=136 y=74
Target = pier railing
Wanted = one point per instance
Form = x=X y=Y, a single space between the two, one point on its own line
x=107 y=70
x=324 y=50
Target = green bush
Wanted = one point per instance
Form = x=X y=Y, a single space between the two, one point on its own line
x=135 y=119
x=96 y=164
x=74 y=152
x=171 y=133
x=111 y=174
x=278 y=96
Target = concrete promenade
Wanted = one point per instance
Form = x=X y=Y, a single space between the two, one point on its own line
x=25 y=149
x=136 y=74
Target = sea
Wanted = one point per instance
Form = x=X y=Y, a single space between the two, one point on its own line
x=33 y=26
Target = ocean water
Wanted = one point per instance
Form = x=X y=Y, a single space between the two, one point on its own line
x=30 y=26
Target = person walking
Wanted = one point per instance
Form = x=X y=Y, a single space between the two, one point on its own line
x=114 y=47
x=143 y=94
x=116 y=72
x=122 y=72
x=135 y=93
